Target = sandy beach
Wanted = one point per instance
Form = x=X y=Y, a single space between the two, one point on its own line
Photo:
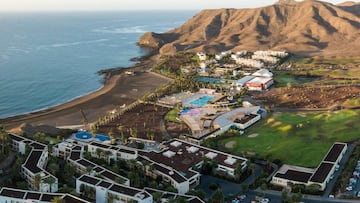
x=118 y=90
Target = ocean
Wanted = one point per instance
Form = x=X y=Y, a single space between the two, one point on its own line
x=50 y=58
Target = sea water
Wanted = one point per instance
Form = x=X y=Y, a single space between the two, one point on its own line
x=49 y=58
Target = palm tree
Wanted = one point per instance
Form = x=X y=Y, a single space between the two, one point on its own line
x=108 y=153
x=133 y=132
x=89 y=169
x=110 y=198
x=151 y=134
x=57 y=200
x=37 y=181
x=4 y=139
x=53 y=168
x=93 y=130
x=111 y=135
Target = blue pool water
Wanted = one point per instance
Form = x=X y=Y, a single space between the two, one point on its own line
x=102 y=138
x=83 y=135
x=209 y=80
x=184 y=111
x=202 y=100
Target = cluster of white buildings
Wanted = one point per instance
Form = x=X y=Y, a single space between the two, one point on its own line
x=288 y=175
x=175 y=163
x=178 y=159
x=280 y=54
x=106 y=189
x=258 y=81
x=256 y=61
x=12 y=195
x=269 y=56
x=73 y=152
x=33 y=170
x=249 y=62
x=222 y=55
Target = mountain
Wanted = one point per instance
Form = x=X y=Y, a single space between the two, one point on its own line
x=309 y=26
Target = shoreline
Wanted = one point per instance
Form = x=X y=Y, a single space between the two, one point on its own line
x=118 y=89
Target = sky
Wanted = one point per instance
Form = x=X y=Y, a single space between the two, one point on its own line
x=86 y=5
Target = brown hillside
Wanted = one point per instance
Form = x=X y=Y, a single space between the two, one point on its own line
x=309 y=27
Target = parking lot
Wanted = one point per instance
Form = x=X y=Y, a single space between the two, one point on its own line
x=353 y=187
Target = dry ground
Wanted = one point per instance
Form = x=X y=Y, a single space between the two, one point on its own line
x=310 y=97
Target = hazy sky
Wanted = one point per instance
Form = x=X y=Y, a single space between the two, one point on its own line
x=70 y=5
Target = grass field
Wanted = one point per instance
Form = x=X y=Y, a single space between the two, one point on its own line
x=172 y=116
x=298 y=139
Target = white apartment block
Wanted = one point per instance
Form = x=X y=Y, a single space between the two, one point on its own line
x=35 y=164
x=12 y=195
x=120 y=193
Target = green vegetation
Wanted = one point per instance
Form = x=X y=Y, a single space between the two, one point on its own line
x=172 y=116
x=299 y=139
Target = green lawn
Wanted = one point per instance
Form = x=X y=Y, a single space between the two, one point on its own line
x=172 y=116
x=298 y=139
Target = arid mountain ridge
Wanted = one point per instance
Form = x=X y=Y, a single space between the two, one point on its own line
x=310 y=27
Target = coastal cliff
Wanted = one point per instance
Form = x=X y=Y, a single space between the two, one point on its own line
x=309 y=27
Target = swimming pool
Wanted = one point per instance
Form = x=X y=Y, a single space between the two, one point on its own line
x=184 y=111
x=87 y=136
x=202 y=100
x=82 y=135
x=102 y=138
x=209 y=80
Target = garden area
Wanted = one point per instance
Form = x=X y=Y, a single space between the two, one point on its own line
x=299 y=139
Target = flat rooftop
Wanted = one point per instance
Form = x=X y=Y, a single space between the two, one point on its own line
x=86 y=163
x=129 y=191
x=36 y=145
x=33 y=195
x=75 y=155
x=246 y=118
x=182 y=156
x=294 y=175
x=12 y=193
x=49 y=197
x=334 y=152
x=32 y=161
x=28 y=195
x=322 y=172
x=259 y=80
x=100 y=145
x=89 y=179
x=229 y=117
x=16 y=137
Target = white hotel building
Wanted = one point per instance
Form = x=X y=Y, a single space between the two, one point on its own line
x=35 y=164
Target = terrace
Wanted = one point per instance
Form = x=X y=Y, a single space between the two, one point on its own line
x=186 y=155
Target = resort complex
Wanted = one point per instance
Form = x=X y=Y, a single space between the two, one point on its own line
x=208 y=135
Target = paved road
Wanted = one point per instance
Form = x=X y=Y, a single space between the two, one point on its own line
x=275 y=196
x=228 y=188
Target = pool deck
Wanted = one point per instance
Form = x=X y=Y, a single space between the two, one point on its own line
x=73 y=136
x=187 y=102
